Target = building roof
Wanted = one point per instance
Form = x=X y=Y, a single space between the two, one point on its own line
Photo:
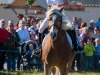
x=89 y=3
x=21 y=4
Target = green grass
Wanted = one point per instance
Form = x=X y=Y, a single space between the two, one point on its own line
x=41 y=73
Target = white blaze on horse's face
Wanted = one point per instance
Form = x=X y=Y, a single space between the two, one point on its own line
x=53 y=30
x=54 y=17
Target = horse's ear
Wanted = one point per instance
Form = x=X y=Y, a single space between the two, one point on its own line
x=61 y=9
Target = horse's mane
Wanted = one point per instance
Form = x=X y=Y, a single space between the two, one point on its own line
x=54 y=9
x=66 y=25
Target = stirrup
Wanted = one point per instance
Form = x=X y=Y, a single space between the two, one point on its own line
x=72 y=47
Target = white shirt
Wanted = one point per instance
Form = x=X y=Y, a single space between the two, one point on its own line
x=31 y=29
x=50 y=2
x=23 y=35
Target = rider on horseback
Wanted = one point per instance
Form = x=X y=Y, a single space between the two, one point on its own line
x=44 y=24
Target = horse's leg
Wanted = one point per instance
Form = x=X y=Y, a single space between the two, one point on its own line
x=68 y=66
x=55 y=70
x=47 y=69
x=62 y=70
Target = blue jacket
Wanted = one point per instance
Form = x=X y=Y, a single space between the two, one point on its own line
x=98 y=24
x=97 y=47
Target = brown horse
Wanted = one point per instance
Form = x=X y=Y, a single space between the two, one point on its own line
x=56 y=50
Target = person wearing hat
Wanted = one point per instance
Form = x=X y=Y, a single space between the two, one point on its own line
x=91 y=28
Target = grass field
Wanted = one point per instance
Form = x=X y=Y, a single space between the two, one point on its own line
x=41 y=73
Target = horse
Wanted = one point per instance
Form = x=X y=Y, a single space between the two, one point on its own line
x=57 y=53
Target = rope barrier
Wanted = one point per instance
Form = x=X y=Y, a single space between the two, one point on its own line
x=10 y=51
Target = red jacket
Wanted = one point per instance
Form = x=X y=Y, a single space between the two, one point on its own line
x=3 y=35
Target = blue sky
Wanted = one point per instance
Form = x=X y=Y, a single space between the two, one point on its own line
x=10 y=1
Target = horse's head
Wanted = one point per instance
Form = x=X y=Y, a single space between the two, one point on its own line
x=54 y=16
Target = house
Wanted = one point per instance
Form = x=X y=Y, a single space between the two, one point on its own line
x=92 y=10
x=8 y=13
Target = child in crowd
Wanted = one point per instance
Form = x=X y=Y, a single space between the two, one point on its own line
x=33 y=59
x=29 y=54
x=31 y=49
x=97 y=53
x=89 y=50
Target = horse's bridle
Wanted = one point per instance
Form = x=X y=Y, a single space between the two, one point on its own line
x=59 y=28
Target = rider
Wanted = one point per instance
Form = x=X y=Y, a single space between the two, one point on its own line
x=44 y=24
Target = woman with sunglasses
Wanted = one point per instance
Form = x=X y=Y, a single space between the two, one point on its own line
x=33 y=30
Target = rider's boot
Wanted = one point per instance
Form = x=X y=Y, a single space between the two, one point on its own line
x=74 y=38
x=40 y=38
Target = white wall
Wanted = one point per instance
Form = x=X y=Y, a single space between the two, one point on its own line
x=91 y=13
x=8 y=14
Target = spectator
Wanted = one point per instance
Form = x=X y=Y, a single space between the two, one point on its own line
x=98 y=23
x=32 y=59
x=25 y=20
x=27 y=26
x=79 y=21
x=16 y=26
x=33 y=27
x=23 y=33
x=33 y=30
x=24 y=37
x=74 y=20
x=84 y=35
x=20 y=16
x=3 y=36
x=91 y=25
x=96 y=33
x=97 y=53
x=12 y=56
x=29 y=55
x=88 y=50
x=83 y=24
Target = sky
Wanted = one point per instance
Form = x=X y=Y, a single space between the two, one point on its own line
x=10 y=1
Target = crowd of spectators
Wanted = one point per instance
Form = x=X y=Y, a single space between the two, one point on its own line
x=25 y=30
x=88 y=37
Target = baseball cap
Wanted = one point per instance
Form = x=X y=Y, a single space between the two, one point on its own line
x=92 y=21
